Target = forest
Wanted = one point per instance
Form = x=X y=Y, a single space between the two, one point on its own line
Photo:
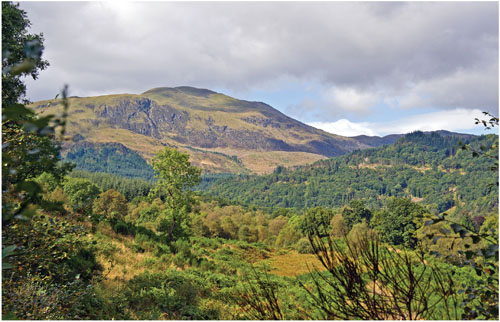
x=426 y=167
x=403 y=231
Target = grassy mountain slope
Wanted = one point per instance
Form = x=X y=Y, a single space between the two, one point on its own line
x=216 y=126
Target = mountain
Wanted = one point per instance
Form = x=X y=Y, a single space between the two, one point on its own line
x=221 y=133
x=430 y=168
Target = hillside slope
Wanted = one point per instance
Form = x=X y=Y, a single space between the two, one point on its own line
x=207 y=121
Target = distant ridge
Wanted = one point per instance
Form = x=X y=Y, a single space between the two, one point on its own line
x=375 y=141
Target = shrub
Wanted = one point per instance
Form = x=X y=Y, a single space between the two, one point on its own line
x=121 y=228
x=303 y=246
x=111 y=204
x=84 y=264
x=167 y=295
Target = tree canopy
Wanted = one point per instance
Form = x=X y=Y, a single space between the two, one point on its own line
x=111 y=204
x=21 y=53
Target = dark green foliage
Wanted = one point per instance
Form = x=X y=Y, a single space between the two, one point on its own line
x=128 y=187
x=170 y=295
x=169 y=225
x=48 y=181
x=121 y=228
x=396 y=223
x=81 y=193
x=316 y=218
x=54 y=268
x=84 y=262
x=427 y=166
x=113 y=158
x=45 y=235
x=209 y=178
x=21 y=53
x=356 y=213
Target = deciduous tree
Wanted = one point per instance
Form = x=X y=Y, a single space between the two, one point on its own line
x=21 y=53
x=176 y=179
x=81 y=193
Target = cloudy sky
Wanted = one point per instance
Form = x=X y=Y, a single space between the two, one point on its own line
x=348 y=68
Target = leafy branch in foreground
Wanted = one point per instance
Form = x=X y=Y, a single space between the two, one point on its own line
x=480 y=294
x=488 y=124
x=490 y=152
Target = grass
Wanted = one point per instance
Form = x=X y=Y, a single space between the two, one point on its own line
x=264 y=162
x=146 y=146
x=213 y=162
x=292 y=263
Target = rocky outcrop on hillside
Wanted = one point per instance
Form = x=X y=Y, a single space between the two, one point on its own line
x=205 y=119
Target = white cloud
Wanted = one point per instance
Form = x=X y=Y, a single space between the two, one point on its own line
x=450 y=120
x=345 y=127
x=445 y=53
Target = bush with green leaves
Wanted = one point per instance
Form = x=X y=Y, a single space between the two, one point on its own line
x=167 y=295
x=111 y=205
x=53 y=259
x=303 y=246
x=122 y=228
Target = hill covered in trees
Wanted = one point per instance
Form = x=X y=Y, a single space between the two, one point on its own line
x=427 y=167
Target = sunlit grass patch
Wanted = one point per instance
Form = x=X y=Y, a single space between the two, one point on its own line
x=292 y=263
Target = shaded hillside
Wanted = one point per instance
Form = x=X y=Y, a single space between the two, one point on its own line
x=113 y=158
x=428 y=168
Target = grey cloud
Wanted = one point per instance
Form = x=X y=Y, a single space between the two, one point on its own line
x=399 y=49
